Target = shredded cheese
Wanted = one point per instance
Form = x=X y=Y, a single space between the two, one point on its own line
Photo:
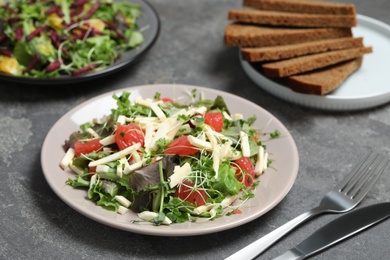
x=179 y=174
x=122 y=200
x=115 y=156
x=149 y=215
x=245 y=149
x=67 y=158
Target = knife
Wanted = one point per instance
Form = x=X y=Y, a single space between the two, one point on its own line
x=337 y=230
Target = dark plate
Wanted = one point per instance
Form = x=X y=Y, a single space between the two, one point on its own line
x=149 y=19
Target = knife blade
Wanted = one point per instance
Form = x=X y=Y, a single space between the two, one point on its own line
x=337 y=230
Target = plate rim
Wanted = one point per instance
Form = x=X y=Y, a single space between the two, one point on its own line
x=116 y=67
x=328 y=102
x=169 y=230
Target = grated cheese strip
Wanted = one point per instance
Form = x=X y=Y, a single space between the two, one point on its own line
x=92 y=132
x=102 y=168
x=115 y=156
x=261 y=162
x=157 y=110
x=179 y=174
x=245 y=149
x=149 y=215
x=121 y=120
x=107 y=140
x=67 y=158
x=200 y=143
x=122 y=210
x=122 y=200
x=133 y=167
x=75 y=169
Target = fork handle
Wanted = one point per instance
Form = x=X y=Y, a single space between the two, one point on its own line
x=257 y=247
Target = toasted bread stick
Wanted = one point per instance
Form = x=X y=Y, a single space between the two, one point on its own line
x=259 y=36
x=311 y=62
x=302 y=6
x=295 y=50
x=324 y=81
x=286 y=19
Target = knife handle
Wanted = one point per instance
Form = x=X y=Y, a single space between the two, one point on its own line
x=258 y=246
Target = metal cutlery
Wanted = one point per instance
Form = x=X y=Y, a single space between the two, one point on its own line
x=344 y=197
x=337 y=230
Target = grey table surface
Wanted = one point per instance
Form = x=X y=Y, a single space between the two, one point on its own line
x=36 y=224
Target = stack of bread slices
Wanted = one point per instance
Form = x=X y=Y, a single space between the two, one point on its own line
x=307 y=44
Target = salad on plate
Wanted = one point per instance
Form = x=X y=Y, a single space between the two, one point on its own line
x=50 y=39
x=171 y=160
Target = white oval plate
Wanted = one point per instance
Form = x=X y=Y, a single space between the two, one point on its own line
x=367 y=87
x=274 y=184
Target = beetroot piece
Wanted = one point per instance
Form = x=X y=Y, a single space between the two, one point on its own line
x=53 y=66
x=6 y=52
x=110 y=24
x=53 y=9
x=84 y=69
x=55 y=39
x=33 y=62
x=92 y=10
x=13 y=20
x=120 y=35
x=2 y=37
x=113 y=28
x=35 y=33
x=19 y=33
x=79 y=2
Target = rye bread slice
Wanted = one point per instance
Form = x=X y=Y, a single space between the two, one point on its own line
x=299 y=49
x=323 y=81
x=311 y=62
x=286 y=19
x=302 y=6
x=259 y=36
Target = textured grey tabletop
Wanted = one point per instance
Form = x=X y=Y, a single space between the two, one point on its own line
x=36 y=224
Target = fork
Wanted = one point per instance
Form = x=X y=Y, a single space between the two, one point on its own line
x=344 y=197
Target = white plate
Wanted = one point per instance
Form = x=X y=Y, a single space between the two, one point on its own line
x=367 y=87
x=274 y=184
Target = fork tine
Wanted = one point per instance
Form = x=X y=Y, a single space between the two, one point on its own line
x=363 y=173
x=369 y=171
x=379 y=169
x=355 y=171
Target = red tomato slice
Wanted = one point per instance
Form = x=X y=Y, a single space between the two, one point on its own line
x=237 y=211
x=127 y=135
x=81 y=147
x=181 y=146
x=187 y=192
x=166 y=100
x=245 y=170
x=215 y=120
